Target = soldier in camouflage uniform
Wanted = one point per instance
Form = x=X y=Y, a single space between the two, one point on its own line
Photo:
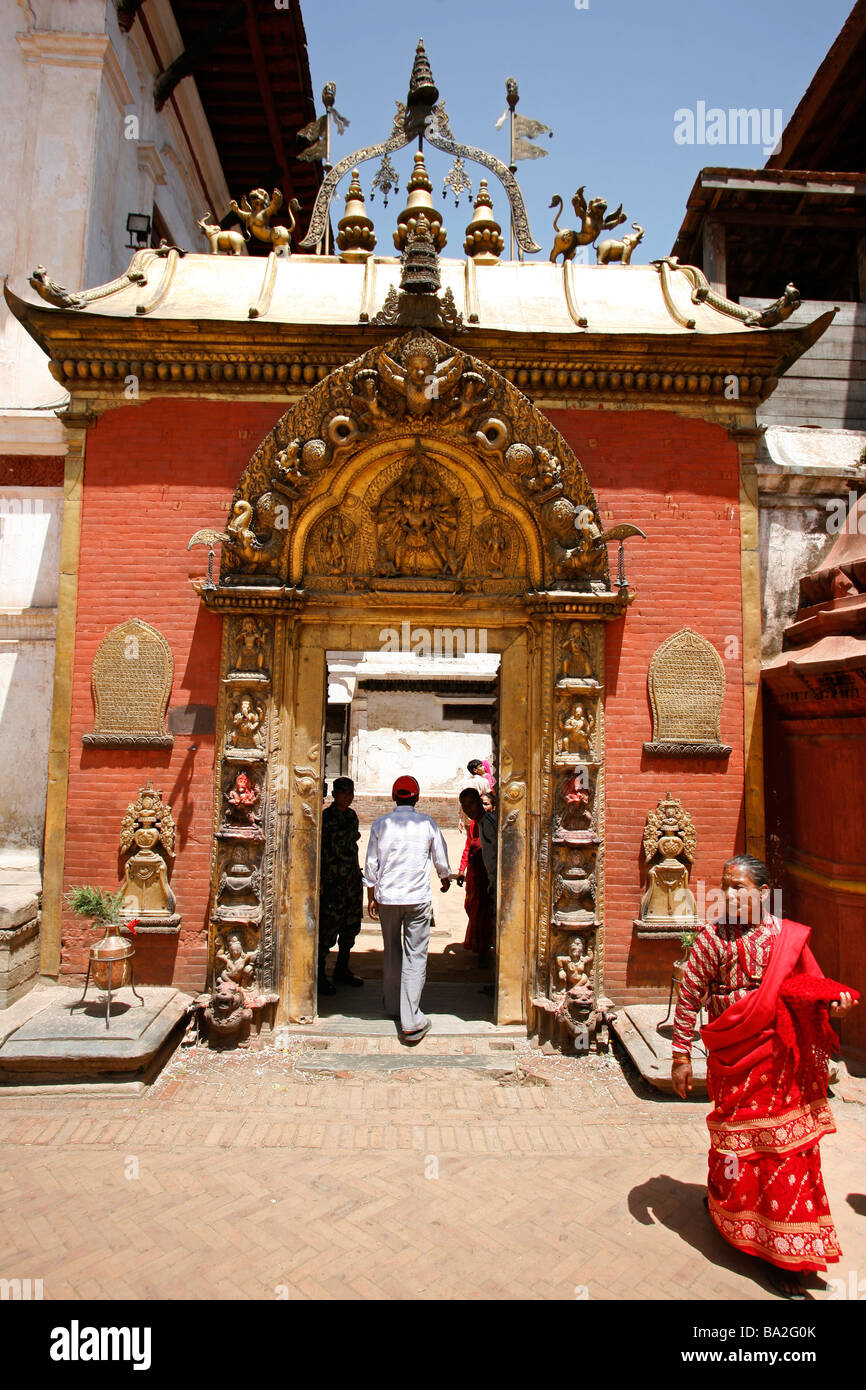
x=341 y=895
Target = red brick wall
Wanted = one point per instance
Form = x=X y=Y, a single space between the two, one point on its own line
x=154 y=474
x=678 y=480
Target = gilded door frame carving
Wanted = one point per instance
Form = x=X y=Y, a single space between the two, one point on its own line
x=415 y=451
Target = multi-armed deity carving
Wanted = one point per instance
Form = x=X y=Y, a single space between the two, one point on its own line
x=147 y=844
x=417 y=523
x=576 y=1013
x=574 y=812
x=246 y=734
x=242 y=814
x=576 y=726
x=669 y=849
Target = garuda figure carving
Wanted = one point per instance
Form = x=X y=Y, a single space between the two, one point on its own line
x=421 y=380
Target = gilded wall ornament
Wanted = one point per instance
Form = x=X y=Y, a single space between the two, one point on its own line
x=576 y=726
x=419 y=381
x=687 y=689
x=246 y=729
x=147 y=824
x=132 y=674
x=669 y=842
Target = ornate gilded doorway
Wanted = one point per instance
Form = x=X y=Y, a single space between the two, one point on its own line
x=415 y=484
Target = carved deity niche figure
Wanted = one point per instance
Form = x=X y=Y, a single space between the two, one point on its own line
x=232 y=961
x=574 y=894
x=239 y=883
x=574 y=826
x=576 y=729
x=336 y=534
x=243 y=798
x=669 y=847
x=574 y=970
x=147 y=824
x=577 y=656
x=250 y=645
x=420 y=380
x=417 y=522
x=247 y=729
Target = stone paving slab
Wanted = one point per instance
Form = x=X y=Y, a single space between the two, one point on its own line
x=459 y=1008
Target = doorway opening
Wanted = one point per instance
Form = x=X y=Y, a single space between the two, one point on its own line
x=430 y=711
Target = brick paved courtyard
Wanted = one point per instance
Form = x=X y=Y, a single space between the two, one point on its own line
x=544 y=1178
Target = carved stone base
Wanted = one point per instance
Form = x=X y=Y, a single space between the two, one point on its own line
x=687 y=750
x=152 y=926
x=664 y=928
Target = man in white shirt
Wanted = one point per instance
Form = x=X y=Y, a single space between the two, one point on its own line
x=397 y=874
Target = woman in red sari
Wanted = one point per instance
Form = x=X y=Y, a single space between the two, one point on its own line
x=767 y=1043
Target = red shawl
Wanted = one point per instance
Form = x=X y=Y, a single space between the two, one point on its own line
x=770 y=1095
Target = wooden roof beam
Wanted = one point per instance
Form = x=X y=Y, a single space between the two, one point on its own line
x=192 y=57
x=267 y=96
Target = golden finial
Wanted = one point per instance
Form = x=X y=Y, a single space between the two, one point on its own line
x=355 y=238
x=420 y=200
x=484 y=241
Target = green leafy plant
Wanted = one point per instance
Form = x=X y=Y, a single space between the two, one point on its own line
x=687 y=939
x=96 y=903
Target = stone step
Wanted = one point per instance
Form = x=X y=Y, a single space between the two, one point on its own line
x=409 y=1058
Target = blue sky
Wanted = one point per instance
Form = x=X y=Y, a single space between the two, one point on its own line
x=607 y=79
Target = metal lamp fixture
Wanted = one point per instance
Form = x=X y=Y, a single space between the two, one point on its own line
x=138 y=226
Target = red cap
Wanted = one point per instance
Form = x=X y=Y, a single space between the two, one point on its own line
x=405 y=787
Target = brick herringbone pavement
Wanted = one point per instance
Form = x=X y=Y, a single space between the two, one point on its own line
x=237 y=1177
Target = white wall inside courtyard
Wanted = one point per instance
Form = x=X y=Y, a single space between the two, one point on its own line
x=393 y=732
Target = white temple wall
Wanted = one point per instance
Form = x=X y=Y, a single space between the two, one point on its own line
x=393 y=732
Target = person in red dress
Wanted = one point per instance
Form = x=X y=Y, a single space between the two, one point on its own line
x=768 y=1040
x=478 y=868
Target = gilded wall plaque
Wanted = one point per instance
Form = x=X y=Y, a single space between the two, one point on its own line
x=132 y=674
x=687 y=688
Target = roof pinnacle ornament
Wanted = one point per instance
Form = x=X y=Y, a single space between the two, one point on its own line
x=355 y=236
x=421 y=118
x=423 y=93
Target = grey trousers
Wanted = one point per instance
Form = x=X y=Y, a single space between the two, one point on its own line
x=406 y=933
